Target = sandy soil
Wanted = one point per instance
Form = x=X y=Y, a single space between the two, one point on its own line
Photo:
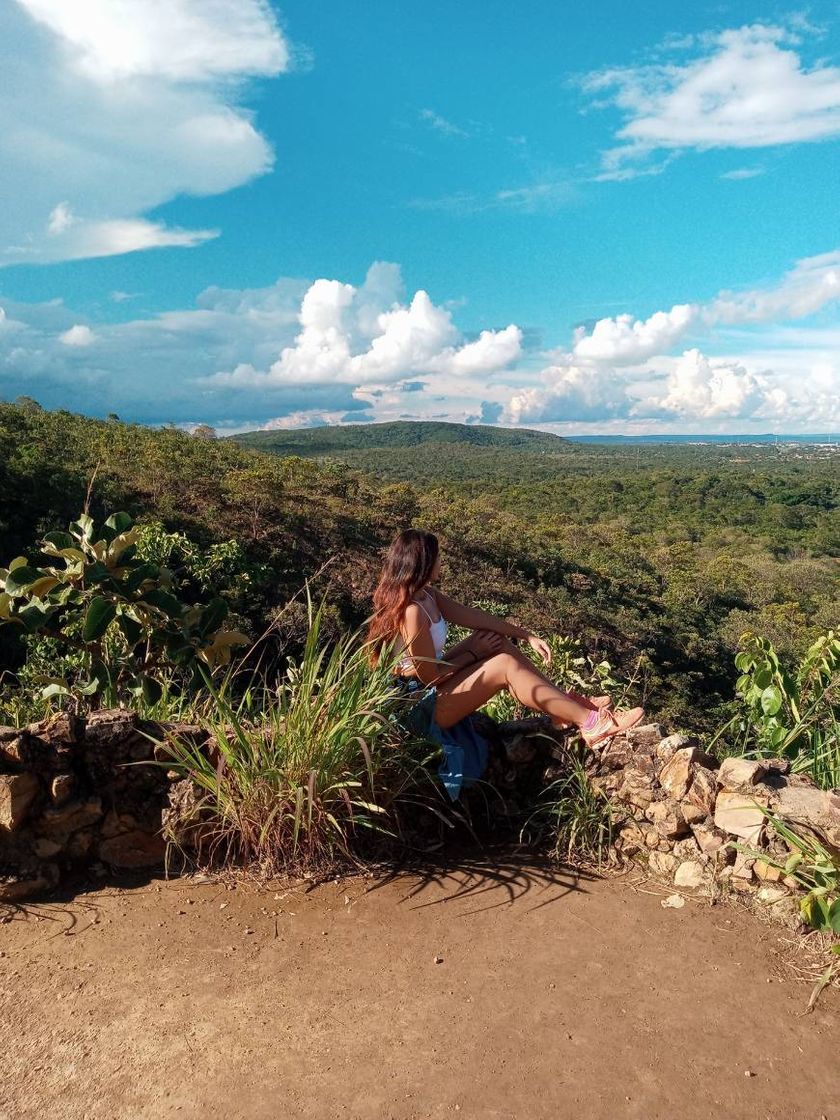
x=502 y=991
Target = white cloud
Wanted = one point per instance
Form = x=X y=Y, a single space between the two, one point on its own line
x=77 y=335
x=749 y=89
x=737 y=174
x=113 y=107
x=178 y=40
x=623 y=340
x=441 y=124
x=568 y=393
x=704 y=388
x=345 y=339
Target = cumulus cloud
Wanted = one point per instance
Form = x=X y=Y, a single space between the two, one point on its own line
x=345 y=339
x=749 y=88
x=705 y=388
x=568 y=393
x=623 y=340
x=77 y=335
x=112 y=108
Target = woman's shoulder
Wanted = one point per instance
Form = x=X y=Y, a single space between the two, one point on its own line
x=415 y=616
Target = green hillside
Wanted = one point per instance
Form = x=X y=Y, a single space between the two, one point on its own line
x=657 y=559
x=400 y=433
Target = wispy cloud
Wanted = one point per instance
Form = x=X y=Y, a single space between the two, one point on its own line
x=441 y=124
x=747 y=88
x=539 y=197
x=739 y=173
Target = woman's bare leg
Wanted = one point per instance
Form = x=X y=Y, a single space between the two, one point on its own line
x=467 y=690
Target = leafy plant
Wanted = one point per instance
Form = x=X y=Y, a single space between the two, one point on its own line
x=814 y=869
x=300 y=772
x=574 y=815
x=794 y=713
x=111 y=620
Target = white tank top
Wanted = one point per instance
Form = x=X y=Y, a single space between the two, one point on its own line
x=437 y=630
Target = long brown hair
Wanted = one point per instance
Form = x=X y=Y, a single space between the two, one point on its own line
x=409 y=563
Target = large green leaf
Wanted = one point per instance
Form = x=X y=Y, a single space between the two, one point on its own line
x=58 y=540
x=21 y=578
x=165 y=602
x=100 y=614
x=131 y=628
x=771 y=700
x=120 y=522
x=83 y=526
x=212 y=617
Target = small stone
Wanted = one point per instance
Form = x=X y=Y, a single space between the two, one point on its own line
x=133 y=849
x=675 y=776
x=438 y=960
x=17 y=792
x=702 y=793
x=767 y=872
x=771 y=895
x=690 y=874
x=61 y=788
x=46 y=849
x=737 y=772
x=646 y=735
x=748 y=1073
x=802 y=803
x=662 y=863
x=669 y=746
x=738 y=815
x=74 y=815
x=673 y=902
x=709 y=839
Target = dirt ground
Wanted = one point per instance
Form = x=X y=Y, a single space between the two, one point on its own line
x=501 y=991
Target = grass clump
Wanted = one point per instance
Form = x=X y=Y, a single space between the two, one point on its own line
x=301 y=775
x=573 y=816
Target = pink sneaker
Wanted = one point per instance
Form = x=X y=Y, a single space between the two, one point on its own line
x=610 y=723
x=595 y=701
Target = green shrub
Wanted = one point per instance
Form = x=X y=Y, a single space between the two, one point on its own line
x=573 y=816
x=794 y=713
x=302 y=773
x=102 y=623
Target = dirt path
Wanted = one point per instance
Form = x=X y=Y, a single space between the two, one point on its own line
x=551 y=999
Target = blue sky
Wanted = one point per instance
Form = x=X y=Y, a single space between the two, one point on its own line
x=577 y=217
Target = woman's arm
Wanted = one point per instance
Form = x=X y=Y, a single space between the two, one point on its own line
x=474 y=619
x=420 y=648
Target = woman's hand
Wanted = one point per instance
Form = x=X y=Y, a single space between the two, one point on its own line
x=485 y=643
x=541 y=647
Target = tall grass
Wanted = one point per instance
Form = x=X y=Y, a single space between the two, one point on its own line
x=573 y=816
x=300 y=774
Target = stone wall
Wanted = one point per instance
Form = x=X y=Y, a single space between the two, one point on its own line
x=96 y=791
x=81 y=792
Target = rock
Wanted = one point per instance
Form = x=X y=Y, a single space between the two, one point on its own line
x=46 y=849
x=17 y=792
x=688 y=849
x=767 y=872
x=63 y=728
x=667 y=748
x=12 y=745
x=631 y=838
x=668 y=820
x=692 y=814
x=133 y=849
x=737 y=772
x=818 y=809
x=738 y=815
x=702 y=793
x=690 y=874
x=709 y=839
x=27 y=884
x=109 y=726
x=771 y=895
x=61 y=788
x=62 y=820
x=648 y=735
x=662 y=863
x=675 y=776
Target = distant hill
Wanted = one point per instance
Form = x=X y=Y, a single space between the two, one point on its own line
x=399 y=433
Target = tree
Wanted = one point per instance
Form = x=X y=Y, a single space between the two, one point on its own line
x=204 y=431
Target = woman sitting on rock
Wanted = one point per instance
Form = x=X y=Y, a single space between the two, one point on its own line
x=410 y=616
